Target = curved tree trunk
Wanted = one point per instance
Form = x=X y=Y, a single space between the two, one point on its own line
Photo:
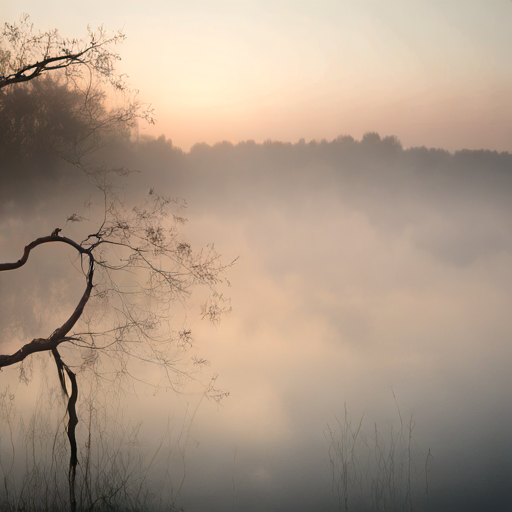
x=51 y=343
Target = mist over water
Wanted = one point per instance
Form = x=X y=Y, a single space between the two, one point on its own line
x=371 y=278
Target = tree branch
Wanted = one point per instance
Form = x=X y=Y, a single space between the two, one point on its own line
x=37 y=69
x=25 y=55
x=72 y=421
x=60 y=334
x=35 y=243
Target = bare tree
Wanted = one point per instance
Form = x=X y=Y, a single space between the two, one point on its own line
x=134 y=260
x=26 y=55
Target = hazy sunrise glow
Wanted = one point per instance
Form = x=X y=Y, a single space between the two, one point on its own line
x=354 y=159
x=431 y=72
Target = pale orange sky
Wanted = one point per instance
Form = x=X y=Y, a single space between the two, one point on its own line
x=354 y=282
x=434 y=73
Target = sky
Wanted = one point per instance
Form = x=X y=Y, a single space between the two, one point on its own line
x=434 y=73
x=373 y=275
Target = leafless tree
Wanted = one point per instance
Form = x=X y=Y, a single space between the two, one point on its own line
x=134 y=260
x=26 y=54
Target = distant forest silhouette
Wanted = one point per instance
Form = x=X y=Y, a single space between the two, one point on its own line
x=438 y=209
x=468 y=191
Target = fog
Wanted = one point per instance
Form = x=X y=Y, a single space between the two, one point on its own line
x=370 y=279
x=365 y=270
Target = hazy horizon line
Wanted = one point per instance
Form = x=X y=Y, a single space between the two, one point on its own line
x=346 y=138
